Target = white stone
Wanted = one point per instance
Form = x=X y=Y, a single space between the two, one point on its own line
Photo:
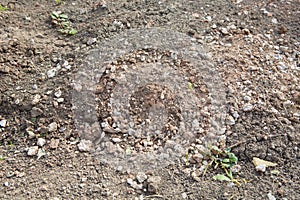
x=41 y=142
x=51 y=73
x=141 y=177
x=52 y=127
x=32 y=151
x=3 y=123
x=85 y=145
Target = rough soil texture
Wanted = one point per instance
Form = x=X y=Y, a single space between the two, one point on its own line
x=253 y=44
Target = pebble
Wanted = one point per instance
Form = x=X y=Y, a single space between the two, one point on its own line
x=236 y=168
x=30 y=133
x=134 y=184
x=60 y=100
x=41 y=142
x=52 y=127
x=261 y=168
x=116 y=140
x=35 y=112
x=247 y=107
x=224 y=31
x=58 y=93
x=85 y=145
x=91 y=41
x=51 y=73
x=141 y=177
x=5 y=184
x=36 y=99
x=230 y=120
x=270 y=196
x=3 y=123
x=153 y=184
x=32 y=151
x=54 y=143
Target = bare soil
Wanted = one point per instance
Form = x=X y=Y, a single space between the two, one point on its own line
x=253 y=44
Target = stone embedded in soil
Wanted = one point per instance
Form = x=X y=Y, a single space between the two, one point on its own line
x=91 y=41
x=36 y=99
x=3 y=123
x=35 y=112
x=52 y=127
x=141 y=177
x=51 y=73
x=230 y=120
x=134 y=184
x=54 y=143
x=41 y=142
x=153 y=184
x=116 y=140
x=261 y=168
x=247 y=107
x=85 y=145
x=32 y=151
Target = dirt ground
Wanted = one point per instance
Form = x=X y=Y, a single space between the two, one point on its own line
x=254 y=46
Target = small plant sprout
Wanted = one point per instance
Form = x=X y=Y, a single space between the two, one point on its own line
x=61 y=21
x=225 y=160
x=190 y=85
x=3 y=8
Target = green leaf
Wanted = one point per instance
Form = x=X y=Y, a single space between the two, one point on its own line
x=3 y=8
x=232 y=157
x=54 y=15
x=221 y=177
x=63 y=16
x=72 y=31
x=190 y=85
x=226 y=160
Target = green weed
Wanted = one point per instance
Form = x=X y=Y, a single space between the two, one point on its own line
x=62 y=22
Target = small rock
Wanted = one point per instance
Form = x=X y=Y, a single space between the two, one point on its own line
x=41 y=142
x=51 y=73
x=134 y=184
x=195 y=124
x=153 y=184
x=224 y=31
x=91 y=41
x=32 y=151
x=274 y=21
x=52 y=127
x=236 y=168
x=247 y=107
x=30 y=133
x=184 y=195
x=230 y=120
x=35 y=112
x=141 y=177
x=3 y=123
x=270 y=196
x=60 y=100
x=58 y=93
x=198 y=157
x=85 y=145
x=116 y=140
x=53 y=143
x=36 y=99
x=5 y=184
x=261 y=168
x=195 y=175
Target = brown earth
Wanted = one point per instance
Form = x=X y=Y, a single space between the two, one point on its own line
x=254 y=45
